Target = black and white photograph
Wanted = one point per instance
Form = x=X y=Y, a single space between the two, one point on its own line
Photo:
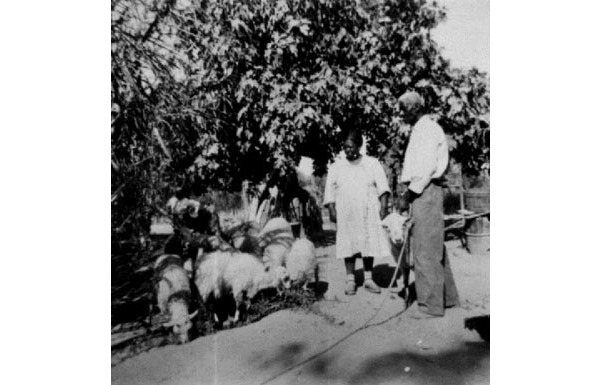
x=300 y=192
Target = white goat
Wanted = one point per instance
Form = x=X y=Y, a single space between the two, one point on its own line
x=209 y=281
x=301 y=261
x=245 y=275
x=173 y=295
x=275 y=225
x=240 y=274
x=276 y=239
x=244 y=237
x=210 y=272
x=395 y=224
x=276 y=251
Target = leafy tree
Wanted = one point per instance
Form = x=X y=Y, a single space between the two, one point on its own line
x=221 y=91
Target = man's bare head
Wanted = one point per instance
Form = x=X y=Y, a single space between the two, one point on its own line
x=412 y=104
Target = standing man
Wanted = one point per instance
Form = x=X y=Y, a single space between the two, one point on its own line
x=425 y=161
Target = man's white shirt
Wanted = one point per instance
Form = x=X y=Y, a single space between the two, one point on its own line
x=426 y=156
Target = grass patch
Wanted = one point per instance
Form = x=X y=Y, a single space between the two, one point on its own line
x=266 y=302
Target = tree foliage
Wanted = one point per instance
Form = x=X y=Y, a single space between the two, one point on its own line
x=225 y=91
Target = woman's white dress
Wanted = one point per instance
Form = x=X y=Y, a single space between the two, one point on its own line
x=355 y=188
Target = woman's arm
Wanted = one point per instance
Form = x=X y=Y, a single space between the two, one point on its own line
x=383 y=201
x=332 y=212
x=330 y=191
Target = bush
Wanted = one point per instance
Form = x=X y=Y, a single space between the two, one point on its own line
x=221 y=92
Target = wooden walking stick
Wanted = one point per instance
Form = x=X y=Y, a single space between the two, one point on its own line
x=406 y=257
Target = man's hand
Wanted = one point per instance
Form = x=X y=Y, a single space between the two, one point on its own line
x=409 y=195
x=412 y=195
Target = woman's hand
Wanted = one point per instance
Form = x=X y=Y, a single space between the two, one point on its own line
x=383 y=213
x=383 y=203
x=332 y=213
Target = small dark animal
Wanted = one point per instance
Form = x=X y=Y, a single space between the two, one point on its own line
x=480 y=324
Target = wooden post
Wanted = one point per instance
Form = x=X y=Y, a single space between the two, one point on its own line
x=461 y=189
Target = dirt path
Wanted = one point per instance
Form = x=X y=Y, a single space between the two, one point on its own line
x=402 y=350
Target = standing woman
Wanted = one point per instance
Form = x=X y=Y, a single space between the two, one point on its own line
x=356 y=194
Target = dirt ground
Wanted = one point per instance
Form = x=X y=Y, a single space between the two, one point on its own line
x=293 y=347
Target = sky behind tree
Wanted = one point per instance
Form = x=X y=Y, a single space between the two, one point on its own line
x=465 y=35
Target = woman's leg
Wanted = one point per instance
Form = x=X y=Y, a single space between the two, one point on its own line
x=369 y=284
x=350 y=263
x=368 y=264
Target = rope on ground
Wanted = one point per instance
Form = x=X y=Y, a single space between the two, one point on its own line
x=316 y=355
x=364 y=326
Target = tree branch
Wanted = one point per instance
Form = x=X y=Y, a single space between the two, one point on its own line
x=168 y=6
x=161 y=142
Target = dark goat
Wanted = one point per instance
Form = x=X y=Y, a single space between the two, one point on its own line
x=480 y=324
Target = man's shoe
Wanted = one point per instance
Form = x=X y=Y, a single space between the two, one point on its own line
x=418 y=313
x=371 y=286
x=350 y=288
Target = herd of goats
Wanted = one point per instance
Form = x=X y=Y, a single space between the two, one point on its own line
x=238 y=262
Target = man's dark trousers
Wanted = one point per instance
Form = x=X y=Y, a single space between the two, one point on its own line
x=434 y=281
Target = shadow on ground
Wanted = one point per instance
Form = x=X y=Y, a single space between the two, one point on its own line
x=449 y=368
x=454 y=367
x=281 y=358
x=382 y=275
x=320 y=288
